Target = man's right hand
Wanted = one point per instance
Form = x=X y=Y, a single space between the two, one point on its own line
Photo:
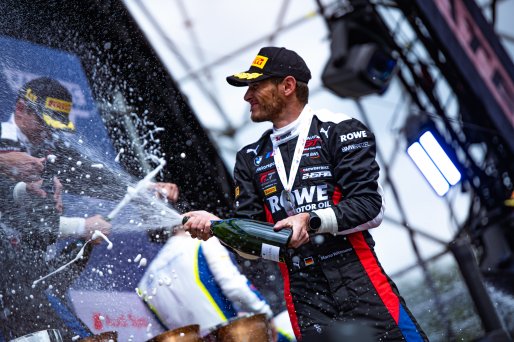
x=22 y=167
x=199 y=224
x=34 y=189
x=96 y=222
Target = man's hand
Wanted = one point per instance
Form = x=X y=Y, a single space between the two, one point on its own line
x=199 y=224
x=96 y=222
x=34 y=188
x=167 y=191
x=22 y=167
x=299 y=223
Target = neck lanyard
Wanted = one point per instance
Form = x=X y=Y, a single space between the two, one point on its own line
x=288 y=182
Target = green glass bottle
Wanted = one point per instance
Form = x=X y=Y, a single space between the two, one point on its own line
x=252 y=239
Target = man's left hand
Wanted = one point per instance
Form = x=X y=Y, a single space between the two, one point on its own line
x=299 y=223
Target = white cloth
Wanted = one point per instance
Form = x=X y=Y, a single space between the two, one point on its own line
x=189 y=280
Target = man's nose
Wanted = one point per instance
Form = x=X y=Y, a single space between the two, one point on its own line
x=248 y=94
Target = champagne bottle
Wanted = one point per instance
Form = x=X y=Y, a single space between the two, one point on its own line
x=252 y=239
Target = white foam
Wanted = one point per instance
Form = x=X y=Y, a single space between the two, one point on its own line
x=98 y=234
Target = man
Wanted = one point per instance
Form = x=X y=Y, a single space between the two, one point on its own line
x=193 y=282
x=32 y=135
x=315 y=173
x=38 y=163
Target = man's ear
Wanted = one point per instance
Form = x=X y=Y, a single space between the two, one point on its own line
x=289 y=83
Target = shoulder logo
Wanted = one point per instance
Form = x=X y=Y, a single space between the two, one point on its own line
x=254 y=150
x=353 y=135
x=325 y=131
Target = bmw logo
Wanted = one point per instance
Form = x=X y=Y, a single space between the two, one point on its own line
x=257 y=160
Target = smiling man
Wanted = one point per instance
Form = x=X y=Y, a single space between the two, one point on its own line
x=315 y=173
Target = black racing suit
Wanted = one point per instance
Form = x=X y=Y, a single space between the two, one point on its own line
x=332 y=278
x=27 y=231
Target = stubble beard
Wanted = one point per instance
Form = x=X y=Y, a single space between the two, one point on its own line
x=269 y=110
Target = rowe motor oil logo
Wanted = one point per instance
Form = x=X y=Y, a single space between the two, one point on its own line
x=306 y=199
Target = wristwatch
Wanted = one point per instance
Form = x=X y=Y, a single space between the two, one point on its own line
x=314 y=222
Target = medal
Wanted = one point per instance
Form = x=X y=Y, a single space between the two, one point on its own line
x=287 y=201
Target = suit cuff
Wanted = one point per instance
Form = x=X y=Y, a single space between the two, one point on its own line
x=19 y=192
x=72 y=226
x=328 y=221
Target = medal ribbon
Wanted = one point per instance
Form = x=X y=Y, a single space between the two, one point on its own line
x=298 y=152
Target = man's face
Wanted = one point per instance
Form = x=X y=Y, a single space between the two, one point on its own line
x=31 y=124
x=266 y=102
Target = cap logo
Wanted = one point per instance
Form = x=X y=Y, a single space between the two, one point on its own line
x=247 y=75
x=30 y=96
x=58 y=105
x=260 y=61
x=57 y=124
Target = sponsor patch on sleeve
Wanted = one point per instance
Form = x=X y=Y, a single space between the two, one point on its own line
x=353 y=135
x=353 y=147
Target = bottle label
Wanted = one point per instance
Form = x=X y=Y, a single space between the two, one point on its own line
x=270 y=252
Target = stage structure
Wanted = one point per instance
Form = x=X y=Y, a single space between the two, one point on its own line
x=450 y=49
x=462 y=51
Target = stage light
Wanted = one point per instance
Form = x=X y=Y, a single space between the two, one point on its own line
x=432 y=155
x=428 y=168
x=367 y=70
x=360 y=62
x=440 y=158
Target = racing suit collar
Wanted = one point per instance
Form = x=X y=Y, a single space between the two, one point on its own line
x=291 y=131
x=21 y=137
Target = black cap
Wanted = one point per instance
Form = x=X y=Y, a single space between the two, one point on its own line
x=50 y=100
x=272 y=62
